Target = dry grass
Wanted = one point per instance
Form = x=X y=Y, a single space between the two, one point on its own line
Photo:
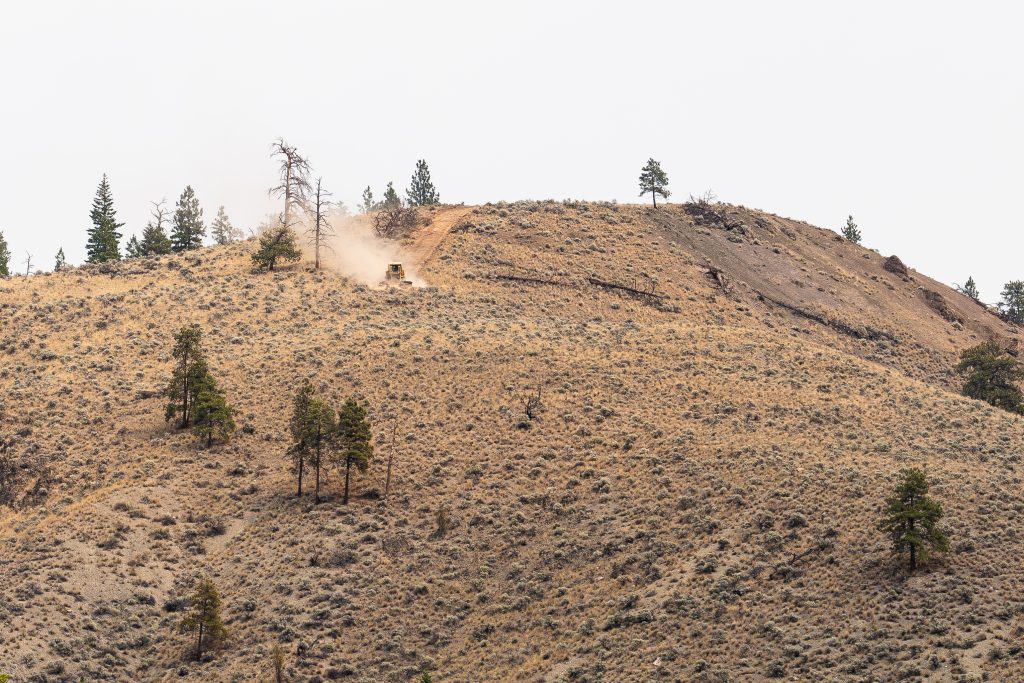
x=642 y=526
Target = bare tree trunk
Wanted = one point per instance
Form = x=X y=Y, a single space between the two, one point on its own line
x=301 y=462
x=316 y=490
x=391 y=456
x=348 y=468
x=199 y=644
x=654 y=199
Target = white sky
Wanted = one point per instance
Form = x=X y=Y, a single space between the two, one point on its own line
x=908 y=115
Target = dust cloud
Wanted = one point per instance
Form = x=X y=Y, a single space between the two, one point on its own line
x=354 y=250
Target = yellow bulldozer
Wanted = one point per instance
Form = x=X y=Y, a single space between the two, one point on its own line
x=395 y=275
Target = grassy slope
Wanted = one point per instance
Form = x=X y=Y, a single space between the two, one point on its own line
x=644 y=526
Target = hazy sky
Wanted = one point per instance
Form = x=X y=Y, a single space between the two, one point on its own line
x=908 y=115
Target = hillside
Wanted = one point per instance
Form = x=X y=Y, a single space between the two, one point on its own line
x=695 y=501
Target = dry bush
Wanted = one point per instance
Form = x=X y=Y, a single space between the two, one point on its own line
x=395 y=221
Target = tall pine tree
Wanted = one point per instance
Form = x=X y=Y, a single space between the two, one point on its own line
x=5 y=257
x=188 y=229
x=60 y=263
x=222 y=230
x=421 y=190
x=353 y=440
x=133 y=249
x=367 y=205
x=104 y=239
x=654 y=180
x=390 y=200
x=850 y=231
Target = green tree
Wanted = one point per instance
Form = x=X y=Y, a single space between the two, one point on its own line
x=1012 y=304
x=214 y=418
x=367 y=205
x=133 y=249
x=155 y=241
x=850 y=231
x=299 y=450
x=425 y=677
x=203 y=616
x=353 y=440
x=104 y=238
x=314 y=427
x=276 y=244
x=60 y=263
x=391 y=199
x=971 y=289
x=992 y=376
x=5 y=257
x=654 y=180
x=421 y=190
x=187 y=231
x=911 y=518
x=222 y=230
x=190 y=374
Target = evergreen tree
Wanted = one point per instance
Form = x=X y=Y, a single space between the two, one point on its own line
x=353 y=440
x=155 y=241
x=60 y=262
x=421 y=190
x=104 y=238
x=911 y=518
x=971 y=289
x=313 y=426
x=222 y=230
x=188 y=230
x=367 y=205
x=299 y=450
x=276 y=244
x=189 y=376
x=133 y=249
x=1012 y=304
x=654 y=180
x=203 y=616
x=992 y=376
x=850 y=231
x=391 y=199
x=5 y=257
x=214 y=418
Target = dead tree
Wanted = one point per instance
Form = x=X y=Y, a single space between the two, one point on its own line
x=320 y=231
x=394 y=221
x=28 y=264
x=294 y=178
x=532 y=405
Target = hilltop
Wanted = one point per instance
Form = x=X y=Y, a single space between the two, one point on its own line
x=726 y=398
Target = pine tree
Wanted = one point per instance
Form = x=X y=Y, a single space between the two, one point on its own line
x=104 y=238
x=276 y=244
x=5 y=257
x=971 y=289
x=911 y=518
x=391 y=199
x=188 y=229
x=203 y=616
x=133 y=249
x=1012 y=304
x=421 y=190
x=654 y=180
x=190 y=374
x=367 y=205
x=320 y=425
x=60 y=263
x=850 y=231
x=221 y=229
x=299 y=450
x=992 y=376
x=353 y=440
x=214 y=418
